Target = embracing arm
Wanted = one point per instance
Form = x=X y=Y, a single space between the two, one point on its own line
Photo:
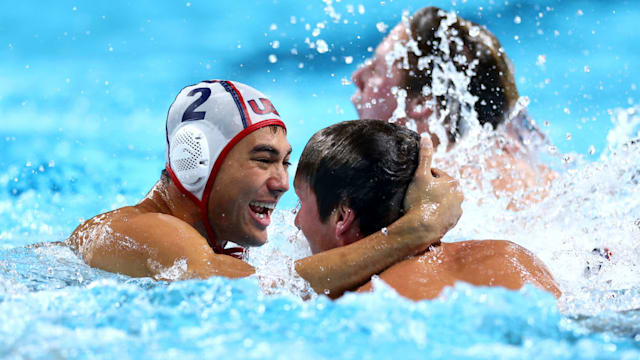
x=164 y=247
x=433 y=200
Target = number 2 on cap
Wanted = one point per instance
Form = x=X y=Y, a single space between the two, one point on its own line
x=190 y=114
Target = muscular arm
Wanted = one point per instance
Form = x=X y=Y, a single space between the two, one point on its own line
x=335 y=271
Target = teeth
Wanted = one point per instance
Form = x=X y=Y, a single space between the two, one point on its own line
x=267 y=205
x=261 y=216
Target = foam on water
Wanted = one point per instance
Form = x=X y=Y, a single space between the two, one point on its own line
x=590 y=205
x=52 y=305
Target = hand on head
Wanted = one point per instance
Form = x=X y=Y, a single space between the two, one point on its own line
x=432 y=191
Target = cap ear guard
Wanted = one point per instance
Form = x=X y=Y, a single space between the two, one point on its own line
x=190 y=158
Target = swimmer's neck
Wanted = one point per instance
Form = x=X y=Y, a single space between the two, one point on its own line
x=167 y=199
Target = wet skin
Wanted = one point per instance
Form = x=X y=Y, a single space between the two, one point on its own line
x=424 y=276
x=248 y=187
x=165 y=230
x=476 y=262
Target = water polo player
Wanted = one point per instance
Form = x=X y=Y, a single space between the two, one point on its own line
x=438 y=73
x=227 y=158
x=352 y=190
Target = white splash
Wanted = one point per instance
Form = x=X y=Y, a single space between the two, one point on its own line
x=275 y=261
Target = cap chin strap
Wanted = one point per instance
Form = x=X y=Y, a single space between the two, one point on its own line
x=202 y=204
x=236 y=252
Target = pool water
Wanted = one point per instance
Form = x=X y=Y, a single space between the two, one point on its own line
x=84 y=94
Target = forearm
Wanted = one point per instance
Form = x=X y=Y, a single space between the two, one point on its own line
x=335 y=271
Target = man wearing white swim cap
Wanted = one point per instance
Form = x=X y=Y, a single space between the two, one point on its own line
x=227 y=159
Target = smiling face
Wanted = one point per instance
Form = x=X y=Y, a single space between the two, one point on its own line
x=251 y=180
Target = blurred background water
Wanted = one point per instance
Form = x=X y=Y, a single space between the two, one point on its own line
x=84 y=91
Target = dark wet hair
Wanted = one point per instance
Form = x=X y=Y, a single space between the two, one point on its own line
x=493 y=82
x=364 y=164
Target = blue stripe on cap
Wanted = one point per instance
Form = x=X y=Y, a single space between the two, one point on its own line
x=236 y=99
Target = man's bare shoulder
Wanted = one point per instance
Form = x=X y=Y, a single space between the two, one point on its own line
x=485 y=247
x=135 y=242
x=98 y=226
x=499 y=262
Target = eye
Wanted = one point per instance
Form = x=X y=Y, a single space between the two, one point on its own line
x=286 y=163
x=263 y=160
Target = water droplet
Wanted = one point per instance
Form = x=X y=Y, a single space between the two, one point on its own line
x=385 y=231
x=273 y=27
x=580 y=12
x=273 y=59
x=275 y=44
x=587 y=69
x=474 y=31
x=348 y=59
x=322 y=46
x=542 y=59
x=382 y=27
x=567 y=159
x=517 y=19
x=592 y=150
x=568 y=136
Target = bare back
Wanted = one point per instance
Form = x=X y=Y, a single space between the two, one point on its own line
x=477 y=262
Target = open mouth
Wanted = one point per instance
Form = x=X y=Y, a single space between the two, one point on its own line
x=261 y=211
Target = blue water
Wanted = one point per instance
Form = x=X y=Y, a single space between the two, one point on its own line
x=84 y=91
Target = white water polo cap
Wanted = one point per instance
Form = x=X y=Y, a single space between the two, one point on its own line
x=204 y=123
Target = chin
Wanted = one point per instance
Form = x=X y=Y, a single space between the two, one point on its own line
x=254 y=240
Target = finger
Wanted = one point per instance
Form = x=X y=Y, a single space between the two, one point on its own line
x=426 y=153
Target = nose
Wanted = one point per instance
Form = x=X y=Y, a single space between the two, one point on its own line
x=357 y=78
x=278 y=182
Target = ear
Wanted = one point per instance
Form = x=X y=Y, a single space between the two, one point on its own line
x=347 y=229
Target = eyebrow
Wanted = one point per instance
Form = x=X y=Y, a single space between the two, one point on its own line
x=269 y=149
